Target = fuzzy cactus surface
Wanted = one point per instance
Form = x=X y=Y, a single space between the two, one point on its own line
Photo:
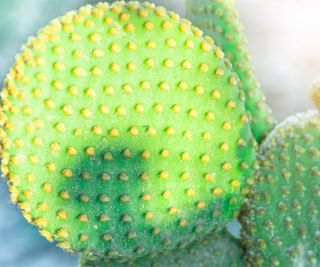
x=124 y=132
x=215 y=250
x=220 y=20
x=281 y=217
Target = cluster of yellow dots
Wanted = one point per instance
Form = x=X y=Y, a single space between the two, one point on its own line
x=52 y=31
x=219 y=18
x=88 y=113
x=90 y=151
x=117 y=20
x=65 y=195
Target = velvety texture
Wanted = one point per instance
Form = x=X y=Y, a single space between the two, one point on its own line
x=124 y=127
x=220 y=20
x=215 y=250
x=281 y=217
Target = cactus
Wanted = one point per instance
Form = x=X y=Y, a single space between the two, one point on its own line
x=281 y=217
x=124 y=132
x=220 y=20
x=315 y=93
x=215 y=250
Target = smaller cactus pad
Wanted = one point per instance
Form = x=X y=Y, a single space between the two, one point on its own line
x=220 y=20
x=281 y=220
x=124 y=131
x=215 y=250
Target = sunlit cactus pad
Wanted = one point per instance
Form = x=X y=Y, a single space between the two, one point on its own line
x=124 y=132
x=220 y=20
x=215 y=250
x=282 y=221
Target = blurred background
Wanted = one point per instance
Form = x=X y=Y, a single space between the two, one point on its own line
x=284 y=41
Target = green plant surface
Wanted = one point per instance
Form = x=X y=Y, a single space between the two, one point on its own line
x=124 y=132
x=281 y=218
x=215 y=250
x=220 y=20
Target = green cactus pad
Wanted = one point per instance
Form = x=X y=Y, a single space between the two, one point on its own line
x=215 y=250
x=220 y=20
x=281 y=219
x=124 y=131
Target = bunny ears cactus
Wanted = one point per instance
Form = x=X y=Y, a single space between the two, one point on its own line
x=125 y=137
x=124 y=132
